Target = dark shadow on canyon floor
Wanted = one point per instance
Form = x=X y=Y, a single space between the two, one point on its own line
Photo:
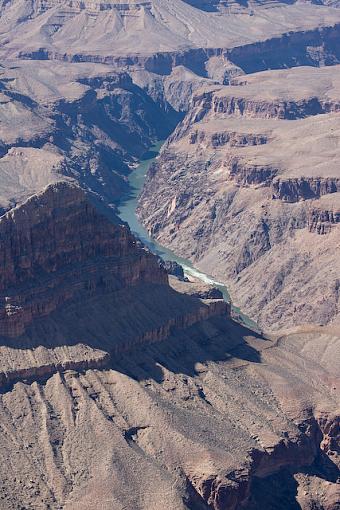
x=280 y=490
x=275 y=492
x=142 y=333
x=187 y=351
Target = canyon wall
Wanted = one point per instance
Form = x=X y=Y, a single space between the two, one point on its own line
x=202 y=419
x=95 y=120
x=108 y=371
x=67 y=275
x=96 y=344
x=57 y=237
x=247 y=185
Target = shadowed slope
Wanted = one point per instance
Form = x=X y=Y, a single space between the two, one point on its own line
x=108 y=375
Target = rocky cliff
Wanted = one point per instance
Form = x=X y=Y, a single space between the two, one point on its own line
x=96 y=345
x=324 y=214
x=154 y=33
x=120 y=389
x=92 y=121
x=293 y=190
x=245 y=191
x=50 y=239
x=204 y=419
x=64 y=266
x=290 y=95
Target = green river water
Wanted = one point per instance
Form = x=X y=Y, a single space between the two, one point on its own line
x=127 y=212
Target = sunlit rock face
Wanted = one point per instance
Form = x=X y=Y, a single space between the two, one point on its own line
x=95 y=344
x=250 y=186
x=108 y=32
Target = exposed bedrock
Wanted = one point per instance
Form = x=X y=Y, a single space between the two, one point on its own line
x=316 y=47
x=204 y=109
x=160 y=63
x=203 y=417
x=167 y=384
x=234 y=491
x=236 y=229
x=231 y=139
x=304 y=188
x=175 y=89
x=245 y=195
x=111 y=371
x=281 y=95
x=246 y=174
x=114 y=127
x=274 y=108
x=322 y=221
x=287 y=95
x=66 y=275
x=52 y=238
x=98 y=122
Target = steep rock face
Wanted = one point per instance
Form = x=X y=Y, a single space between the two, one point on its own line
x=239 y=231
x=51 y=238
x=67 y=275
x=304 y=188
x=296 y=50
x=154 y=33
x=175 y=89
x=289 y=94
x=232 y=139
x=148 y=382
x=95 y=120
x=324 y=215
x=246 y=195
x=201 y=416
x=107 y=373
x=220 y=104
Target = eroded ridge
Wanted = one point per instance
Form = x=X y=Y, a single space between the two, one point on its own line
x=203 y=419
x=67 y=274
x=250 y=185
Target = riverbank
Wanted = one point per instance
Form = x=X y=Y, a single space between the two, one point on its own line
x=127 y=212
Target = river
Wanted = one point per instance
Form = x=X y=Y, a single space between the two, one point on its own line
x=127 y=212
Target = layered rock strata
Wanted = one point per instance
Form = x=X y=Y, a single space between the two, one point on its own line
x=244 y=192
x=107 y=373
x=90 y=123
x=98 y=349
x=67 y=275
x=156 y=34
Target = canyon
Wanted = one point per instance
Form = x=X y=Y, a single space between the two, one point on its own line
x=99 y=386
x=125 y=382
x=248 y=184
